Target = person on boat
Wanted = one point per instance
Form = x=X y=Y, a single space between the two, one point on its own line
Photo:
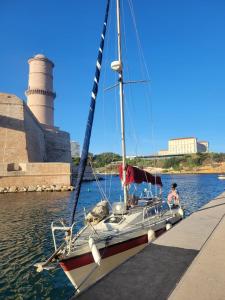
x=173 y=198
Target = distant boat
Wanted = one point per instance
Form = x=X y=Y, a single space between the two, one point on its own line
x=222 y=176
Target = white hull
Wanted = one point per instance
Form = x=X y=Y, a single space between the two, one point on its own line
x=83 y=271
x=85 y=276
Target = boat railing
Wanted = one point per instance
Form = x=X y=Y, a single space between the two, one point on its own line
x=116 y=234
x=72 y=233
x=61 y=226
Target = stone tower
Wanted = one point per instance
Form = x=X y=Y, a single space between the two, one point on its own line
x=40 y=95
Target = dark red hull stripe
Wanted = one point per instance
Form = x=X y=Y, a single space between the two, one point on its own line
x=87 y=258
x=160 y=231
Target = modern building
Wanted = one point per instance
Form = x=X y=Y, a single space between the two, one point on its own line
x=187 y=145
x=75 y=149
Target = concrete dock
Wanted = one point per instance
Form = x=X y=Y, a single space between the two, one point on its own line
x=187 y=262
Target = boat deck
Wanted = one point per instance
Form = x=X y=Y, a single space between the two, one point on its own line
x=187 y=262
x=101 y=231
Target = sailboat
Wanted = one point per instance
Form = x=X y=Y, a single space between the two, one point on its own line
x=110 y=235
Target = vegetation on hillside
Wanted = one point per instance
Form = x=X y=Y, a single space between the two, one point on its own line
x=100 y=160
x=109 y=161
x=189 y=162
x=103 y=159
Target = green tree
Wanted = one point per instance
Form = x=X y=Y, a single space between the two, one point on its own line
x=103 y=159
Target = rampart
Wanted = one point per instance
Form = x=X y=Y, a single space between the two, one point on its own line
x=29 y=152
x=33 y=174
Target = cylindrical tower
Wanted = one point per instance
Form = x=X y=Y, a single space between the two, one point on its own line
x=40 y=95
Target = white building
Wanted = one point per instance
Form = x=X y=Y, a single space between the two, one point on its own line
x=75 y=149
x=187 y=145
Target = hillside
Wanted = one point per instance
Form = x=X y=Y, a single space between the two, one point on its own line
x=194 y=163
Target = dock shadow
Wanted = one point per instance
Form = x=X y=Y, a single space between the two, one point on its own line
x=151 y=274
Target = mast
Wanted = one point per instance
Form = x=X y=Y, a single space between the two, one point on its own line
x=120 y=72
x=84 y=155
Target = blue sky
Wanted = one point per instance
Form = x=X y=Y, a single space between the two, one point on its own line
x=184 y=48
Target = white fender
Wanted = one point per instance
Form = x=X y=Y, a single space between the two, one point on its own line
x=168 y=226
x=180 y=212
x=151 y=235
x=94 y=250
x=39 y=268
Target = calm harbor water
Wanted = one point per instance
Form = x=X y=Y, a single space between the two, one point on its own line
x=25 y=235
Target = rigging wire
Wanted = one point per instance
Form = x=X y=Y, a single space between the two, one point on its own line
x=104 y=118
x=85 y=149
x=144 y=69
x=126 y=65
x=143 y=64
x=98 y=184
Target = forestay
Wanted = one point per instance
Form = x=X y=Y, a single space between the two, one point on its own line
x=84 y=155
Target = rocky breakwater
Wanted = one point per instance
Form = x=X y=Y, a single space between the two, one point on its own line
x=37 y=188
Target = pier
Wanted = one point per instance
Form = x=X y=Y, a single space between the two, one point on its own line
x=187 y=262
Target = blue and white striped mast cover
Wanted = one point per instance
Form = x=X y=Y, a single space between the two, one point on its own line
x=84 y=155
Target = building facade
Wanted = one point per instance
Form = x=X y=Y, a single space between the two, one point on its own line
x=189 y=145
x=182 y=145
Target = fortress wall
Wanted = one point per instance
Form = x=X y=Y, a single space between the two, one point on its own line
x=12 y=132
x=32 y=174
x=23 y=139
x=21 y=136
x=58 y=146
x=35 y=137
x=28 y=138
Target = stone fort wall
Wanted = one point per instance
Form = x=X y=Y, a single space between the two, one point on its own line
x=33 y=174
x=12 y=130
x=35 y=137
x=58 y=146
x=24 y=141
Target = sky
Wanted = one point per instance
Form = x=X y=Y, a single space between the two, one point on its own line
x=184 y=58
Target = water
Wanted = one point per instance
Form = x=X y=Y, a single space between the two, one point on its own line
x=25 y=236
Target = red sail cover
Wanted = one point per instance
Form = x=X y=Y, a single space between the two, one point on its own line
x=136 y=175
